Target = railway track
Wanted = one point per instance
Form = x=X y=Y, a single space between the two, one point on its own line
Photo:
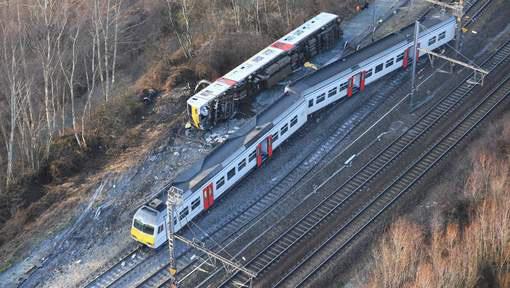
x=257 y=207
x=469 y=8
x=327 y=208
x=266 y=201
x=120 y=268
x=341 y=239
x=160 y=278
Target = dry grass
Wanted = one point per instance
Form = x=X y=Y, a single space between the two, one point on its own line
x=476 y=254
x=119 y=132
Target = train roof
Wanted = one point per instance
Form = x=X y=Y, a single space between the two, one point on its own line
x=283 y=44
x=206 y=94
x=261 y=59
x=149 y=216
x=363 y=56
x=201 y=171
x=309 y=27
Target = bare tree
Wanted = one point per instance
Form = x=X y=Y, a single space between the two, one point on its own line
x=70 y=80
x=184 y=37
x=91 y=85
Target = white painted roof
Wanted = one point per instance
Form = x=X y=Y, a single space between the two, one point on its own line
x=253 y=64
x=208 y=93
x=308 y=28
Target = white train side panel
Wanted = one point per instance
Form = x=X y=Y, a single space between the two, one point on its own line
x=345 y=84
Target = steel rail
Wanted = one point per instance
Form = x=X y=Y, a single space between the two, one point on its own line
x=463 y=89
x=115 y=267
x=418 y=173
x=289 y=181
x=120 y=268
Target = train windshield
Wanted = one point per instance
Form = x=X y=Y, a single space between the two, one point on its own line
x=145 y=228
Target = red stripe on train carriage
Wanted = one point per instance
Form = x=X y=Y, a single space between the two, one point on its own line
x=282 y=46
x=227 y=81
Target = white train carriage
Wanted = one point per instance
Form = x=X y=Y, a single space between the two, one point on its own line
x=211 y=177
x=219 y=100
x=351 y=74
x=223 y=167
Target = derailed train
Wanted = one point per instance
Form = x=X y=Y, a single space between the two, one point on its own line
x=210 y=178
x=220 y=100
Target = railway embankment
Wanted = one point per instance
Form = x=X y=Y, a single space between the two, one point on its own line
x=84 y=225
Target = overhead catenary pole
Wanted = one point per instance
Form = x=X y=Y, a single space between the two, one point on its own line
x=415 y=60
x=173 y=199
x=224 y=260
x=459 y=13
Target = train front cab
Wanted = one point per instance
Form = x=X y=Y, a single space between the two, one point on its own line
x=199 y=116
x=148 y=226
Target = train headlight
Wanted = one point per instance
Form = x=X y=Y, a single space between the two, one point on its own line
x=204 y=111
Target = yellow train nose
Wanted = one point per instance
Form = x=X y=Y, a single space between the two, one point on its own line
x=141 y=237
x=195 y=116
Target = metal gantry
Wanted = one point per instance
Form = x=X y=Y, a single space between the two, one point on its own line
x=457 y=11
x=173 y=199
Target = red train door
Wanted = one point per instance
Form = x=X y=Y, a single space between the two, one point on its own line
x=349 y=86
x=259 y=155
x=362 y=81
x=208 y=194
x=405 y=62
x=270 y=146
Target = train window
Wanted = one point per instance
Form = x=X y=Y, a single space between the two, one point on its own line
x=257 y=58
x=293 y=121
x=241 y=165
x=310 y=103
x=220 y=182
x=252 y=156
x=275 y=136
x=442 y=35
x=195 y=203
x=343 y=86
x=231 y=173
x=183 y=213
x=160 y=228
x=432 y=40
x=378 y=68
x=145 y=228
x=368 y=73
x=332 y=92
x=389 y=62
x=400 y=57
x=284 y=129
x=321 y=98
